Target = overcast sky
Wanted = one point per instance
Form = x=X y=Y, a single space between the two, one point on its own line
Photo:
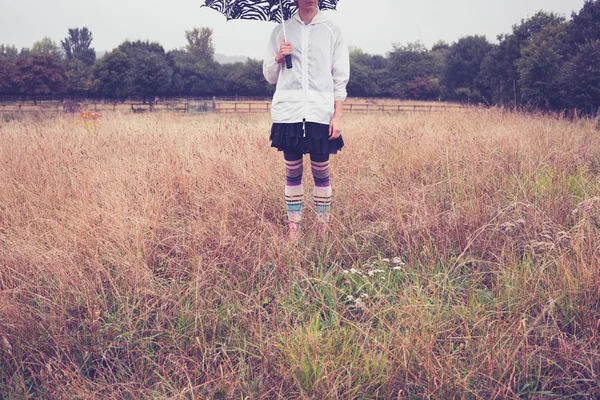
x=372 y=25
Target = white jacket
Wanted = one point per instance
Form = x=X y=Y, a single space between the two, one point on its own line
x=320 y=74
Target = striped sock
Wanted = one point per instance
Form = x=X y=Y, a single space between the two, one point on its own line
x=294 y=192
x=322 y=190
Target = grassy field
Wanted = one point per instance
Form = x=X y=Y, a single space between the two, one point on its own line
x=144 y=256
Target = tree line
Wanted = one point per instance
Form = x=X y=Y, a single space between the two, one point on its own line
x=547 y=62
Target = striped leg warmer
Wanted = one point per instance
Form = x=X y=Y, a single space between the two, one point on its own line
x=322 y=190
x=294 y=192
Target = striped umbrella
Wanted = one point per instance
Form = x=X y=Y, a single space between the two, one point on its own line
x=263 y=10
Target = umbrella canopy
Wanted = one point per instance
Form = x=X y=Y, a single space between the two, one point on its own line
x=261 y=10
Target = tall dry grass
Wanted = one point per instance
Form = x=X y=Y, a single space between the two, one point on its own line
x=148 y=260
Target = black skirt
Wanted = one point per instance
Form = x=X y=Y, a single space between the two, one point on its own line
x=313 y=138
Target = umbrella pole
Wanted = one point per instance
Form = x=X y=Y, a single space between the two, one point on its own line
x=288 y=59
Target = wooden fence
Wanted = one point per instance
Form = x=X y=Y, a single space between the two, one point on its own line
x=265 y=107
x=219 y=106
x=403 y=107
x=56 y=108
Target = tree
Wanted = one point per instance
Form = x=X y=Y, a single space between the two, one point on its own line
x=41 y=74
x=440 y=45
x=25 y=52
x=368 y=74
x=200 y=43
x=110 y=74
x=194 y=77
x=580 y=79
x=9 y=53
x=151 y=75
x=47 y=46
x=134 y=69
x=79 y=76
x=463 y=63
x=580 y=76
x=540 y=66
x=77 y=46
x=9 y=77
x=246 y=79
x=424 y=88
x=585 y=26
x=406 y=63
x=499 y=77
x=185 y=73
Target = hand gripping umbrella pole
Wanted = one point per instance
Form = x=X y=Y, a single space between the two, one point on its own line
x=288 y=58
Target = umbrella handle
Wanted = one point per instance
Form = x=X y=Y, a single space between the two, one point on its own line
x=288 y=59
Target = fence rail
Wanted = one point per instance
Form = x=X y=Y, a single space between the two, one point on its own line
x=257 y=107
x=218 y=105
x=25 y=99
x=401 y=107
x=46 y=108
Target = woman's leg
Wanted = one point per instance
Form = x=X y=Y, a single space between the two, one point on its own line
x=322 y=192
x=294 y=192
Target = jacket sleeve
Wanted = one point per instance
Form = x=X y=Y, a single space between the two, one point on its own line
x=341 y=67
x=270 y=66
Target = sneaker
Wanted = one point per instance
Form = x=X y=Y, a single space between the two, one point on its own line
x=293 y=232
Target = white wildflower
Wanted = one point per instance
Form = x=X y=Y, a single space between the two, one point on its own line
x=350 y=297
x=397 y=260
x=353 y=271
x=346 y=271
x=359 y=304
x=386 y=260
x=397 y=268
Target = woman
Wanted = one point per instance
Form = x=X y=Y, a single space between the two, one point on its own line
x=307 y=104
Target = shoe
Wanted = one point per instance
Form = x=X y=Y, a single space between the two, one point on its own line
x=293 y=232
